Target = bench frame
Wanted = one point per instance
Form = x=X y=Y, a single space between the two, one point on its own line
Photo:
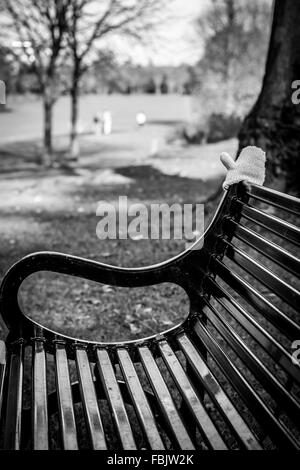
x=193 y=270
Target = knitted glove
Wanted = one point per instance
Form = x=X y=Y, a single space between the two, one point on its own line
x=250 y=167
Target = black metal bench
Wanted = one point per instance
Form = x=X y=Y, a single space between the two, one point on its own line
x=224 y=378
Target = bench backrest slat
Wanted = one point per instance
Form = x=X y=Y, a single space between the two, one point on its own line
x=267 y=248
x=255 y=404
x=279 y=227
x=264 y=306
x=281 y=288
x=213 y=388
x=252 y=362
x=275 y=198
x=268 y=342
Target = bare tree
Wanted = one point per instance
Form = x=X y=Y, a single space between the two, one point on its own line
x=40 y=27
x=273 y=123
x=92 y=21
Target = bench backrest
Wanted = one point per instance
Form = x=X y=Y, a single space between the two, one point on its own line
x=251 y=299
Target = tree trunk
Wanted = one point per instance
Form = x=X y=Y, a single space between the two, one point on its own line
x=74 y=142
x=48 y=151
x=274 y=121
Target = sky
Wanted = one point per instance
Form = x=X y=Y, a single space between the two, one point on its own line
x=177 y=43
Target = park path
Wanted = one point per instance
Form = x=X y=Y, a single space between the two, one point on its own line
x=25 y=186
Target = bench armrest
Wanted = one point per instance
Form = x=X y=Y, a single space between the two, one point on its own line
x=79 y=267
x=175 y=270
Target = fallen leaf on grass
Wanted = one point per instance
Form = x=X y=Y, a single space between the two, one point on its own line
x=107 y=289
x=95 y=301
x=137 y=237
x=147 y=311
x=129 y=318
x=134 y=328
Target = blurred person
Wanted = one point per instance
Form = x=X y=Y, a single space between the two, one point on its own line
x=141 y=119
x=106 y=123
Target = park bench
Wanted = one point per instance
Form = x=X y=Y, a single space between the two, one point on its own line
x=224 y=378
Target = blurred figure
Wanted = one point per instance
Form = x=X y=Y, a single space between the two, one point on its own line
x=98 y=123
x=106 y=123
x=154 y=147
x=141 y=119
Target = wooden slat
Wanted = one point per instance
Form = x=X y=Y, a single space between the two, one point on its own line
x=64 y=397
x=275 y=198
x=165 y=400
x=267 y=309
x=209 y=431
x=139 y=401
x=39 y=397
x=115 y=400
x=254 y=328
x=2 y=373
x=256 y=405
x=281 y=288
x=281 y=228
x=13 y=417
x=253 y=363
x=89 y=401
x=269 y=249
x=212 y=386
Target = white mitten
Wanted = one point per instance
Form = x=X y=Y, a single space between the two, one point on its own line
x=250 y=167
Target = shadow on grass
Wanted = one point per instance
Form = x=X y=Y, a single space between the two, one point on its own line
x=151 y=184
x=27 y=155
x=165 y=122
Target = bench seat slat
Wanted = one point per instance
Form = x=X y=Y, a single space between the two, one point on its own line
x=165 y=400
x=258 y=408
x=210 y=432
x=13 y=416
x=139 y=401
x=251 y=361
x=273 y=314
x=64 y=396
x=39 y=397
x=263 y=337
x=241 y=430
x=267 y=248
x=2 y=374
x=89 y=401
x=270 y=222
x=115 y=399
